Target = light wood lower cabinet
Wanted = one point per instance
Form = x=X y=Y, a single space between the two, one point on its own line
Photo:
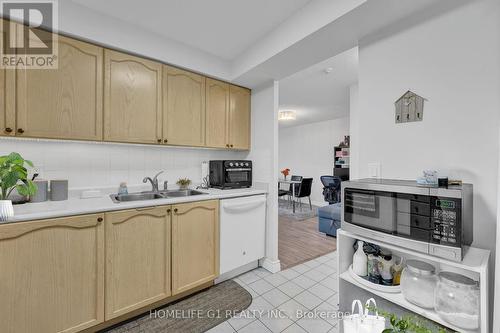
x=138 y=245
x=132 y=98
x=62 y=103
x=52 y=275
x=195 y=244
x=183 y=107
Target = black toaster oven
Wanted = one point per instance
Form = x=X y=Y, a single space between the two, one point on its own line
x=226 y=174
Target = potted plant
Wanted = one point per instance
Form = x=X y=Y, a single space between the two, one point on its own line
x=408 y=323
x=183 y=183
x=13 y=176
x=285 y=172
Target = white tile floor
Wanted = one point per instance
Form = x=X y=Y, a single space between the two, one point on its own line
x=280 y=298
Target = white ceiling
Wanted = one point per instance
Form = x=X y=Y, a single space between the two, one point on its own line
x=224 y=28
x=247 y=42
x=317 y=96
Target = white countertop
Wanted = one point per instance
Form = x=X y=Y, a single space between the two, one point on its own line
x=78 y=206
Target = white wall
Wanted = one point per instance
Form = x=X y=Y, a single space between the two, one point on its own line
x=92 y=165
x=264 y=155
x=496 y=313
x=354 y=130
x=453 y=61
x=307 y=150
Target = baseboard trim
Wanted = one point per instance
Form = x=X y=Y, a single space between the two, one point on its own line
x=272 y=266
x=237 y=271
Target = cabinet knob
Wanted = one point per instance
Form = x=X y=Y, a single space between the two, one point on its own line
x=231 y=146
x=175 y=210
x=227 y=145
x=8 y=130
x=159 y=140
x=20 y=130
x=165 y=141
x=99 y=219
x=169 y=210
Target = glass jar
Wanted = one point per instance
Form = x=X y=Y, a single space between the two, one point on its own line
x=418 y=282
x=457 y=300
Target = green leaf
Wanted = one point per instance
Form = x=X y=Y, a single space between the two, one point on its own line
x=23 y=190
x=13 y=169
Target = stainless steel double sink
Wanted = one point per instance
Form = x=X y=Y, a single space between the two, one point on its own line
x=140 y=196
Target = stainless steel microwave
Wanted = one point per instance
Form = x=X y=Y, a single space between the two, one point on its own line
x=433 y=220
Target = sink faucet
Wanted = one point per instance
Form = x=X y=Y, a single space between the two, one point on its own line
x=154 y=181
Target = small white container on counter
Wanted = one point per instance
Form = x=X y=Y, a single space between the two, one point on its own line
x=58 y=190
x=6 y=210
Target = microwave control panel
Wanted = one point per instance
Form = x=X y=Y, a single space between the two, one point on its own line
x=446 y=221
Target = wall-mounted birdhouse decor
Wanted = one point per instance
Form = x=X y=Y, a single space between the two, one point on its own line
x=409 y=107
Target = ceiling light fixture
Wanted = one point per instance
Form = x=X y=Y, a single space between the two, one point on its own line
x=287 y=115
x=328 y=70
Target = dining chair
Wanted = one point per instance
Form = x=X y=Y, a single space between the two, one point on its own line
x=298 y=179
x=305 y=191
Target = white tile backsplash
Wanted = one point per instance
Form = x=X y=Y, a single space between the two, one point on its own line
x=97 y=164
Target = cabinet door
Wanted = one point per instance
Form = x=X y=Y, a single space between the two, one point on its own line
x=7 y=97
x=183 y=107
x=217 y=113
x=137 y=259
x=52 y=275
x=132 y=98
x=195 y=244
x=239 y=118
x=64 y=103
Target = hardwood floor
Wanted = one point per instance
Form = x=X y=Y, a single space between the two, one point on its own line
x=300 y=241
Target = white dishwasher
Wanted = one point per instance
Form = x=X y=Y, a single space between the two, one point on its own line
x=242 y=231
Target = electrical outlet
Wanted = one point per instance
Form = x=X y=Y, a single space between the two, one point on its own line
x=374 y=170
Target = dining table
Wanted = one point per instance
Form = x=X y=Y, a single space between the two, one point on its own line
x=290 y=182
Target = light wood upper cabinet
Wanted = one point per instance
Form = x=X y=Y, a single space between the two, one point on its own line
x=137 y=259
x=239 y=118
x=104 y=95
x=217 y=94
x=7 y=103
x=195 y=244
x=52 y=275
x=183 y=107
x=7 y=96
x=132 y=98
x=65 y=103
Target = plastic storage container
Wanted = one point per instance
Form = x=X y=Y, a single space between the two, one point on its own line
x=418 y=282
x=457 y=300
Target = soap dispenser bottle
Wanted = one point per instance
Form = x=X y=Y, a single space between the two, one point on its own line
x=360 y=261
